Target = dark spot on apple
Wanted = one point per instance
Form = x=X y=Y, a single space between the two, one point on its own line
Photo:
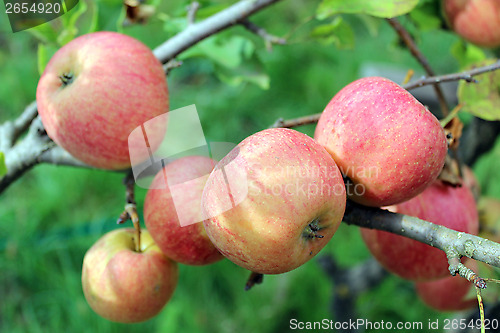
x=66 y=78
x=311 y=231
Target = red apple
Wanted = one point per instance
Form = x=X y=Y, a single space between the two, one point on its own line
x=385 y=141
x=274 y=201
x=452 y=207
x=172 y=210
x=123 y=285
x=477 y=21
x=95 y=90
x=452 y=293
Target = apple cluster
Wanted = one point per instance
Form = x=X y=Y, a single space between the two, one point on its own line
x=271 y=204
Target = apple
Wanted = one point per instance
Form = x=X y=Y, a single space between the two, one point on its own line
x=452 y=293
x=172 y=211
x=123 y=285
x=477 y=21
x=274 y=201
x=95 y=91
x=385 y=141
x=452 y=207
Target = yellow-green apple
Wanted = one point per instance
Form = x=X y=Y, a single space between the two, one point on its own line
x=451 y=293
x=452 y=207
x=123 y=285
x=385 y=141
x=477 y=21
x=290 y=204
x=95 y=90
x=172 y=211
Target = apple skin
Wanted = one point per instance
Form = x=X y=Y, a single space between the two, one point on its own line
x=123 y=285
x=477 y=21
x=188 y=244
x=117 y=84
x=293 y=183
x=452 y=207
x=385 y=141
x=452 y=293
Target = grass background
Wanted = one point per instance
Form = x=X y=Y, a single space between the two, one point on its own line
x=52 y=215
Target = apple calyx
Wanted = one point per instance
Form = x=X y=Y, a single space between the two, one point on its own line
x=311 y=231
x=67 y=78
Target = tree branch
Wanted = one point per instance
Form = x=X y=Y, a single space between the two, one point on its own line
x=10 y=131
x=453 y=243
x=35 y=148
x=419 y=56
x=269 y=40
x=192 y=10
x=467 y=76
x=196 y=32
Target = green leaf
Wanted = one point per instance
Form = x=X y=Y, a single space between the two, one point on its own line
x=69 y=22
x=45 y=52
x=427 y=15
x=227 y=52
x=337 y=32
x=467 y=54
x=261 y=79
x=482 y=99
x=3 y=166
x=379 y=8
x=45 y=33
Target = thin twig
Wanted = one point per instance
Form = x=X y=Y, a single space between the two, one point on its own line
x=467 y=76
x=171 y=65
x=192 y=10
x=419 y=56
x=312 y=119
x=196 y=32
x=269 y=39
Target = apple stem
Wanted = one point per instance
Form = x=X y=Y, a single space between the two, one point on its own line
x=130 y=211
x=253 y=279
x=66 y=78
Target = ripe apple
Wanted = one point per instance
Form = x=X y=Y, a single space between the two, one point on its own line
x=452 y=293
x=172 y=210
x=385 y=141
x=123 y=285
x=95 y=90
x=291 y=204
x=452 y=207
x=477 y=21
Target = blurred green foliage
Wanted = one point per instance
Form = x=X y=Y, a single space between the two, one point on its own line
x=52 y=215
